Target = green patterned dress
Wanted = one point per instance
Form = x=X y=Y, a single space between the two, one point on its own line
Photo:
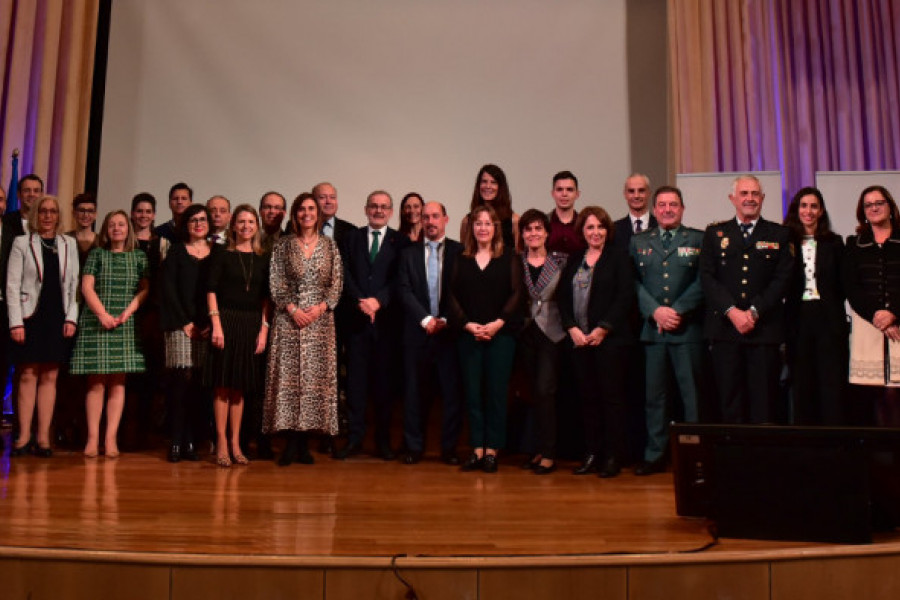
x=99 y=351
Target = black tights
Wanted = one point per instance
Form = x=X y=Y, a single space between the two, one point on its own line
x=185 y=405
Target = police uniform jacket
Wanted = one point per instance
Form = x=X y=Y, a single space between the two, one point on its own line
x=742 y=274
x=669 y=277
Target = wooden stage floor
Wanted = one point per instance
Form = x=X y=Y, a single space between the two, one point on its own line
x=361 y=507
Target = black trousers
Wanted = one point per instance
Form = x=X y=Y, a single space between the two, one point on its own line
x=600 y=371
x=818 y=358
x=539 y=357
x=428 y=368
x=747 y=381
x=370 y=355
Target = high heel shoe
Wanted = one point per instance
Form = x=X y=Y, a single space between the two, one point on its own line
x=223 y=461
x=21 y=450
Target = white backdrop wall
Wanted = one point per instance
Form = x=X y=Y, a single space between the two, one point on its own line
x=238 y=97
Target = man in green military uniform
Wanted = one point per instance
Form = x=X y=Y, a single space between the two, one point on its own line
x=670 y=299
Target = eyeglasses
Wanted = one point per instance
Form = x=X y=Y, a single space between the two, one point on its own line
x=48 y=211
x=197 y=221
x=381 y=207
x=876 y=204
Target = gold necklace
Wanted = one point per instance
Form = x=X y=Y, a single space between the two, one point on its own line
x=247 y=272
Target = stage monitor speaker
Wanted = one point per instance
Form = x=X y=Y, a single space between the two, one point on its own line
x=824 y=484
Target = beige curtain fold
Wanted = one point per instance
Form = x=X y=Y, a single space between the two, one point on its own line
x=49 y=46
x=796 y=86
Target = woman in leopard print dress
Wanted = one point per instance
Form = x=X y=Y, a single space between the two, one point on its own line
x=305 y=278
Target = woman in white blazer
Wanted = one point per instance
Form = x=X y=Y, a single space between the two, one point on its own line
x=41 y=284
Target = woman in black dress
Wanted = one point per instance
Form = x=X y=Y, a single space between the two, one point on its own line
x=41 y=287
x=596 y=296
x=185 y=323
x=238 y=303
x=817 y=348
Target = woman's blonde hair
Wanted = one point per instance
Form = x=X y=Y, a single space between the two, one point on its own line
x=256 y=242
x=35 y=209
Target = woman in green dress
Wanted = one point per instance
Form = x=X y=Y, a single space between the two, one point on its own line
x=114 y=284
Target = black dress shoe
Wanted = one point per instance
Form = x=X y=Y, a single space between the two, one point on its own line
x=472 y=463
x=411 y=458
x=42 y=452
x=611 y=468
x=174 y=453
x=489 y=463
x=588 y=465
x=306 y=458
x=649 y=467
x=384 y=452
x=449 y=457
x=540 y=469
x=349 y=449
x=189 y=453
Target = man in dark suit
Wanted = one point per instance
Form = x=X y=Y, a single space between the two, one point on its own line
x=333 y=227
x=639 y=217
x=29 y=189
x=670 y=299
x=745 y=268
x=337 y=229
x=371 y=257
x=429 y=348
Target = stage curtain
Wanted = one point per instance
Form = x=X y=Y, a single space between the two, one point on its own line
x=47 y=50
x=796 y=86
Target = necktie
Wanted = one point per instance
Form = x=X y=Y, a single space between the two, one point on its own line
x=373 y=251
x=638 y=226
x=433 y=272
x=745 y=229
x=666 y=239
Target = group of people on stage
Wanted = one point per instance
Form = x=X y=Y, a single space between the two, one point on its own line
x=231 y=307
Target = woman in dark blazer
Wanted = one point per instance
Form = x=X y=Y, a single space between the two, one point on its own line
x=814 y=314
x=543 y=334
x=595 y=295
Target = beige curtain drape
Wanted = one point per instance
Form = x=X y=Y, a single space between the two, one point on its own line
x=795 y=86
x=47 y=65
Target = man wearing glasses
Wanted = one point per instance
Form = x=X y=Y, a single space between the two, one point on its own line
x=371 y=258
